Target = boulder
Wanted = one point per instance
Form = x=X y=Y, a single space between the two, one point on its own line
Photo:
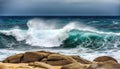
x=58 y=59
x=104 y=59
x=41 y=65
x=14 y=59
x=47 y=57
x=81 y=60
x=47 y=52
x=74 y=66
x=33 y=56
x=54 y=57
x=58 y=62
x=104 y=65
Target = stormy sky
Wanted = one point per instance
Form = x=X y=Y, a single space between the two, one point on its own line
x=60 y=7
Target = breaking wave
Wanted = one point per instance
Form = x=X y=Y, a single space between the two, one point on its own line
x=72 y=35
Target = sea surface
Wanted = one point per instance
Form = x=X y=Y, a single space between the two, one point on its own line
x=88 y=37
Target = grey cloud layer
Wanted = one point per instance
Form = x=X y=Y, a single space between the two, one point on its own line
x=59 y=7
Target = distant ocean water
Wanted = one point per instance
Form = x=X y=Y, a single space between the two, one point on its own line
x=88 y=37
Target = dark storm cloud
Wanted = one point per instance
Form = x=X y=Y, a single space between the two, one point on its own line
x=59 y=7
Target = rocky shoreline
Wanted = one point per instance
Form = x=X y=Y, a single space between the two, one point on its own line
x=51 y=60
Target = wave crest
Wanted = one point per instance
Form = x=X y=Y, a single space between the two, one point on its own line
x=72 y=35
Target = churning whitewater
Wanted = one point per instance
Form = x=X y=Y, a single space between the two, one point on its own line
x=87 y=37
x=71 y=35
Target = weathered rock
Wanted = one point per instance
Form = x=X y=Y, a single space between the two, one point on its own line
x=74 y=66
x=58 y=59
x=2 y=66
x=58 y=62
x=23 y=67
x=14 y=59
x=104 y=59
x=104 y=65
x=34 y=56
x=41 y=65
x=81 y=60
x=43 y=56
x=47 y=52
x=44 y=60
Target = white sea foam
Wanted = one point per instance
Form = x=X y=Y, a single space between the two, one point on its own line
x=17 y=33
x=41 y=34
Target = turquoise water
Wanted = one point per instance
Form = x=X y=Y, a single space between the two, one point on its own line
x=92 y=36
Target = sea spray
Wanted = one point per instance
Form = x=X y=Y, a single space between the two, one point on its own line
x=86 y=37
x=71 y=35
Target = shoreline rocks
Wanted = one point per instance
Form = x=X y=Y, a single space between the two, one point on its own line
x=55 y=59
x=50 y=60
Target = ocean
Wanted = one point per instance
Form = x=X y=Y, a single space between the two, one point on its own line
x=88 y=37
